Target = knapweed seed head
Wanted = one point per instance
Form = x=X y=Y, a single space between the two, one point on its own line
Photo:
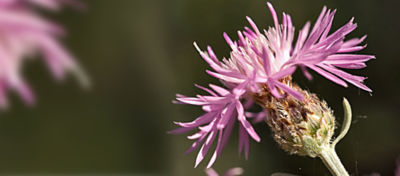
x=259 y=69
x=299 y=127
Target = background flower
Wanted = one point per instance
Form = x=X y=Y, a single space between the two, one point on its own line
x=24 y=33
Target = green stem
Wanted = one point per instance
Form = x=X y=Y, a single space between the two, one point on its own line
x=328 y=153
x=332 y=162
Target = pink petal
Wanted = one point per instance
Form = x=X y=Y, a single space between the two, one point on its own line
x=26 y=93
x=192 y=101
x=229 y=41
x=206 y=146
x=226 y=115
x=306 y=73
x=221 y=91
x=355 y=80
x=227 y=133
x=225 y=77
x=245 y=123
x=181 y=130
x=290 y=91
x=205 y=89
x=211 y=172
x=196 y=144
x=253 y=25
x=215 y=154
x=283 y=73
x=274 y=16
x=234 y=172
x=205 y=118
x=329 y=76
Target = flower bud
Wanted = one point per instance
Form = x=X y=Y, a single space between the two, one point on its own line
x=300 y=127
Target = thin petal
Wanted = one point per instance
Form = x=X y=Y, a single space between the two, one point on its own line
x=221 y=91
x=205 y=118
x=215 y=154
x=196 y=144
x=283 y=73
x=181 y=130
x=355 y=80
x=329 y=76
x=206 y=146
x=226 y=115
x=245 y=123
x=225 y=77
x=211 y=172
x=253 y=25
x=274 y=16
x=234 y=172
x=290 y=91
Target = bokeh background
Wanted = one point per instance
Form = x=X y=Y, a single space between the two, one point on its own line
x=139 y=53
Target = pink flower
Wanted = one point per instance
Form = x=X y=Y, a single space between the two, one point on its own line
x=262 y=60
x=24 y=33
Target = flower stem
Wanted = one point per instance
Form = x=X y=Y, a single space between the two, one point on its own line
x=332 y=162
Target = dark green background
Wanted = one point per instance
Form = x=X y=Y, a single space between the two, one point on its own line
x=139 y=53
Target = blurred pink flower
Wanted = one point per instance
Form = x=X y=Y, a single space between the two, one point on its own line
x=231 y=172
x=263 y=60
x=24 y=33
x=47 y=4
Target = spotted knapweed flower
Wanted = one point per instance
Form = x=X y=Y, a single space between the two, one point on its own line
x=259 y=70
x=24 y=33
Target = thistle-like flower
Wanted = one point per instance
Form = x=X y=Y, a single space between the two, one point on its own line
x=23 y=33
x=259 y=71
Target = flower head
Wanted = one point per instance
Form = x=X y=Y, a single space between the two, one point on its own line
x=24 y=33
x=262 y=62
